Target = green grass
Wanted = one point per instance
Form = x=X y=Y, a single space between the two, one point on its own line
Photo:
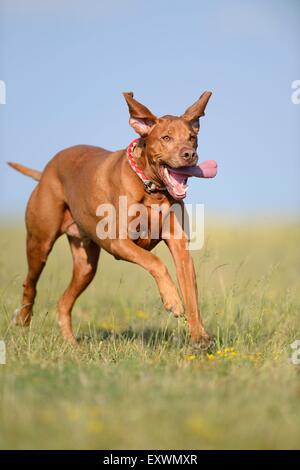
x=135 y=381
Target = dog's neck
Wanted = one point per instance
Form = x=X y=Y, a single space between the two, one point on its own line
x=141 y=160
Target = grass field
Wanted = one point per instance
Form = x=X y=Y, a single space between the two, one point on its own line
x=135 y=381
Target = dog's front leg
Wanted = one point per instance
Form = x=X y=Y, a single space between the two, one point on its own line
x=128 y=251
x=188 y=285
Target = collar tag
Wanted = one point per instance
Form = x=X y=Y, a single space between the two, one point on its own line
x=149 y=186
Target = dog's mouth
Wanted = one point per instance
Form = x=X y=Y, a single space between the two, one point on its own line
x=176 y=179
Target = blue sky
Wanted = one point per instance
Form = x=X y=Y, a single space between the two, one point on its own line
x=65 y=64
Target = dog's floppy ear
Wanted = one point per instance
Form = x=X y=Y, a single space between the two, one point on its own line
x=194 y=112
x=141 y=118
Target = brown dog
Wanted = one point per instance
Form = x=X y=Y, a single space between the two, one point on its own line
x=80 y=179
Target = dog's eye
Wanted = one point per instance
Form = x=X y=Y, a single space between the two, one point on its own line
x=192 y=138
x=166 y=138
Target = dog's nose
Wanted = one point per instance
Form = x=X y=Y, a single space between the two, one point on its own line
x=190 y=155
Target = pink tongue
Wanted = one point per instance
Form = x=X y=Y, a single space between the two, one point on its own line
x=206 y=169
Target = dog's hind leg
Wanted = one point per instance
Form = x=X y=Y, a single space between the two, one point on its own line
x=37 y=254
x=43 y=220
x=85 y=260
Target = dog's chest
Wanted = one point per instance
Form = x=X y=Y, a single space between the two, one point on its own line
x=145 y=227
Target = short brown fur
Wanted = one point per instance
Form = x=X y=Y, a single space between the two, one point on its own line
x=78 y=179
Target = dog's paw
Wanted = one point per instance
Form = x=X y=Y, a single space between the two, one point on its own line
x=18 y=319
x=176 y=309
x=205 y=343
x=15 y=316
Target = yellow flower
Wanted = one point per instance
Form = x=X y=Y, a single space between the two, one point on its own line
x=192 y=357
x=141 y=314
x=201 y=427
x=276 y=356
x=210 y=357
x=94 y=427
x=226 y=353
x=107 y=325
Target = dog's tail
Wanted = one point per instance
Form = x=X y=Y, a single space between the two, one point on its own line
x=35 y=174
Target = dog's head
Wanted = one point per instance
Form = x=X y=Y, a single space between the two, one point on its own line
x=170 y=142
